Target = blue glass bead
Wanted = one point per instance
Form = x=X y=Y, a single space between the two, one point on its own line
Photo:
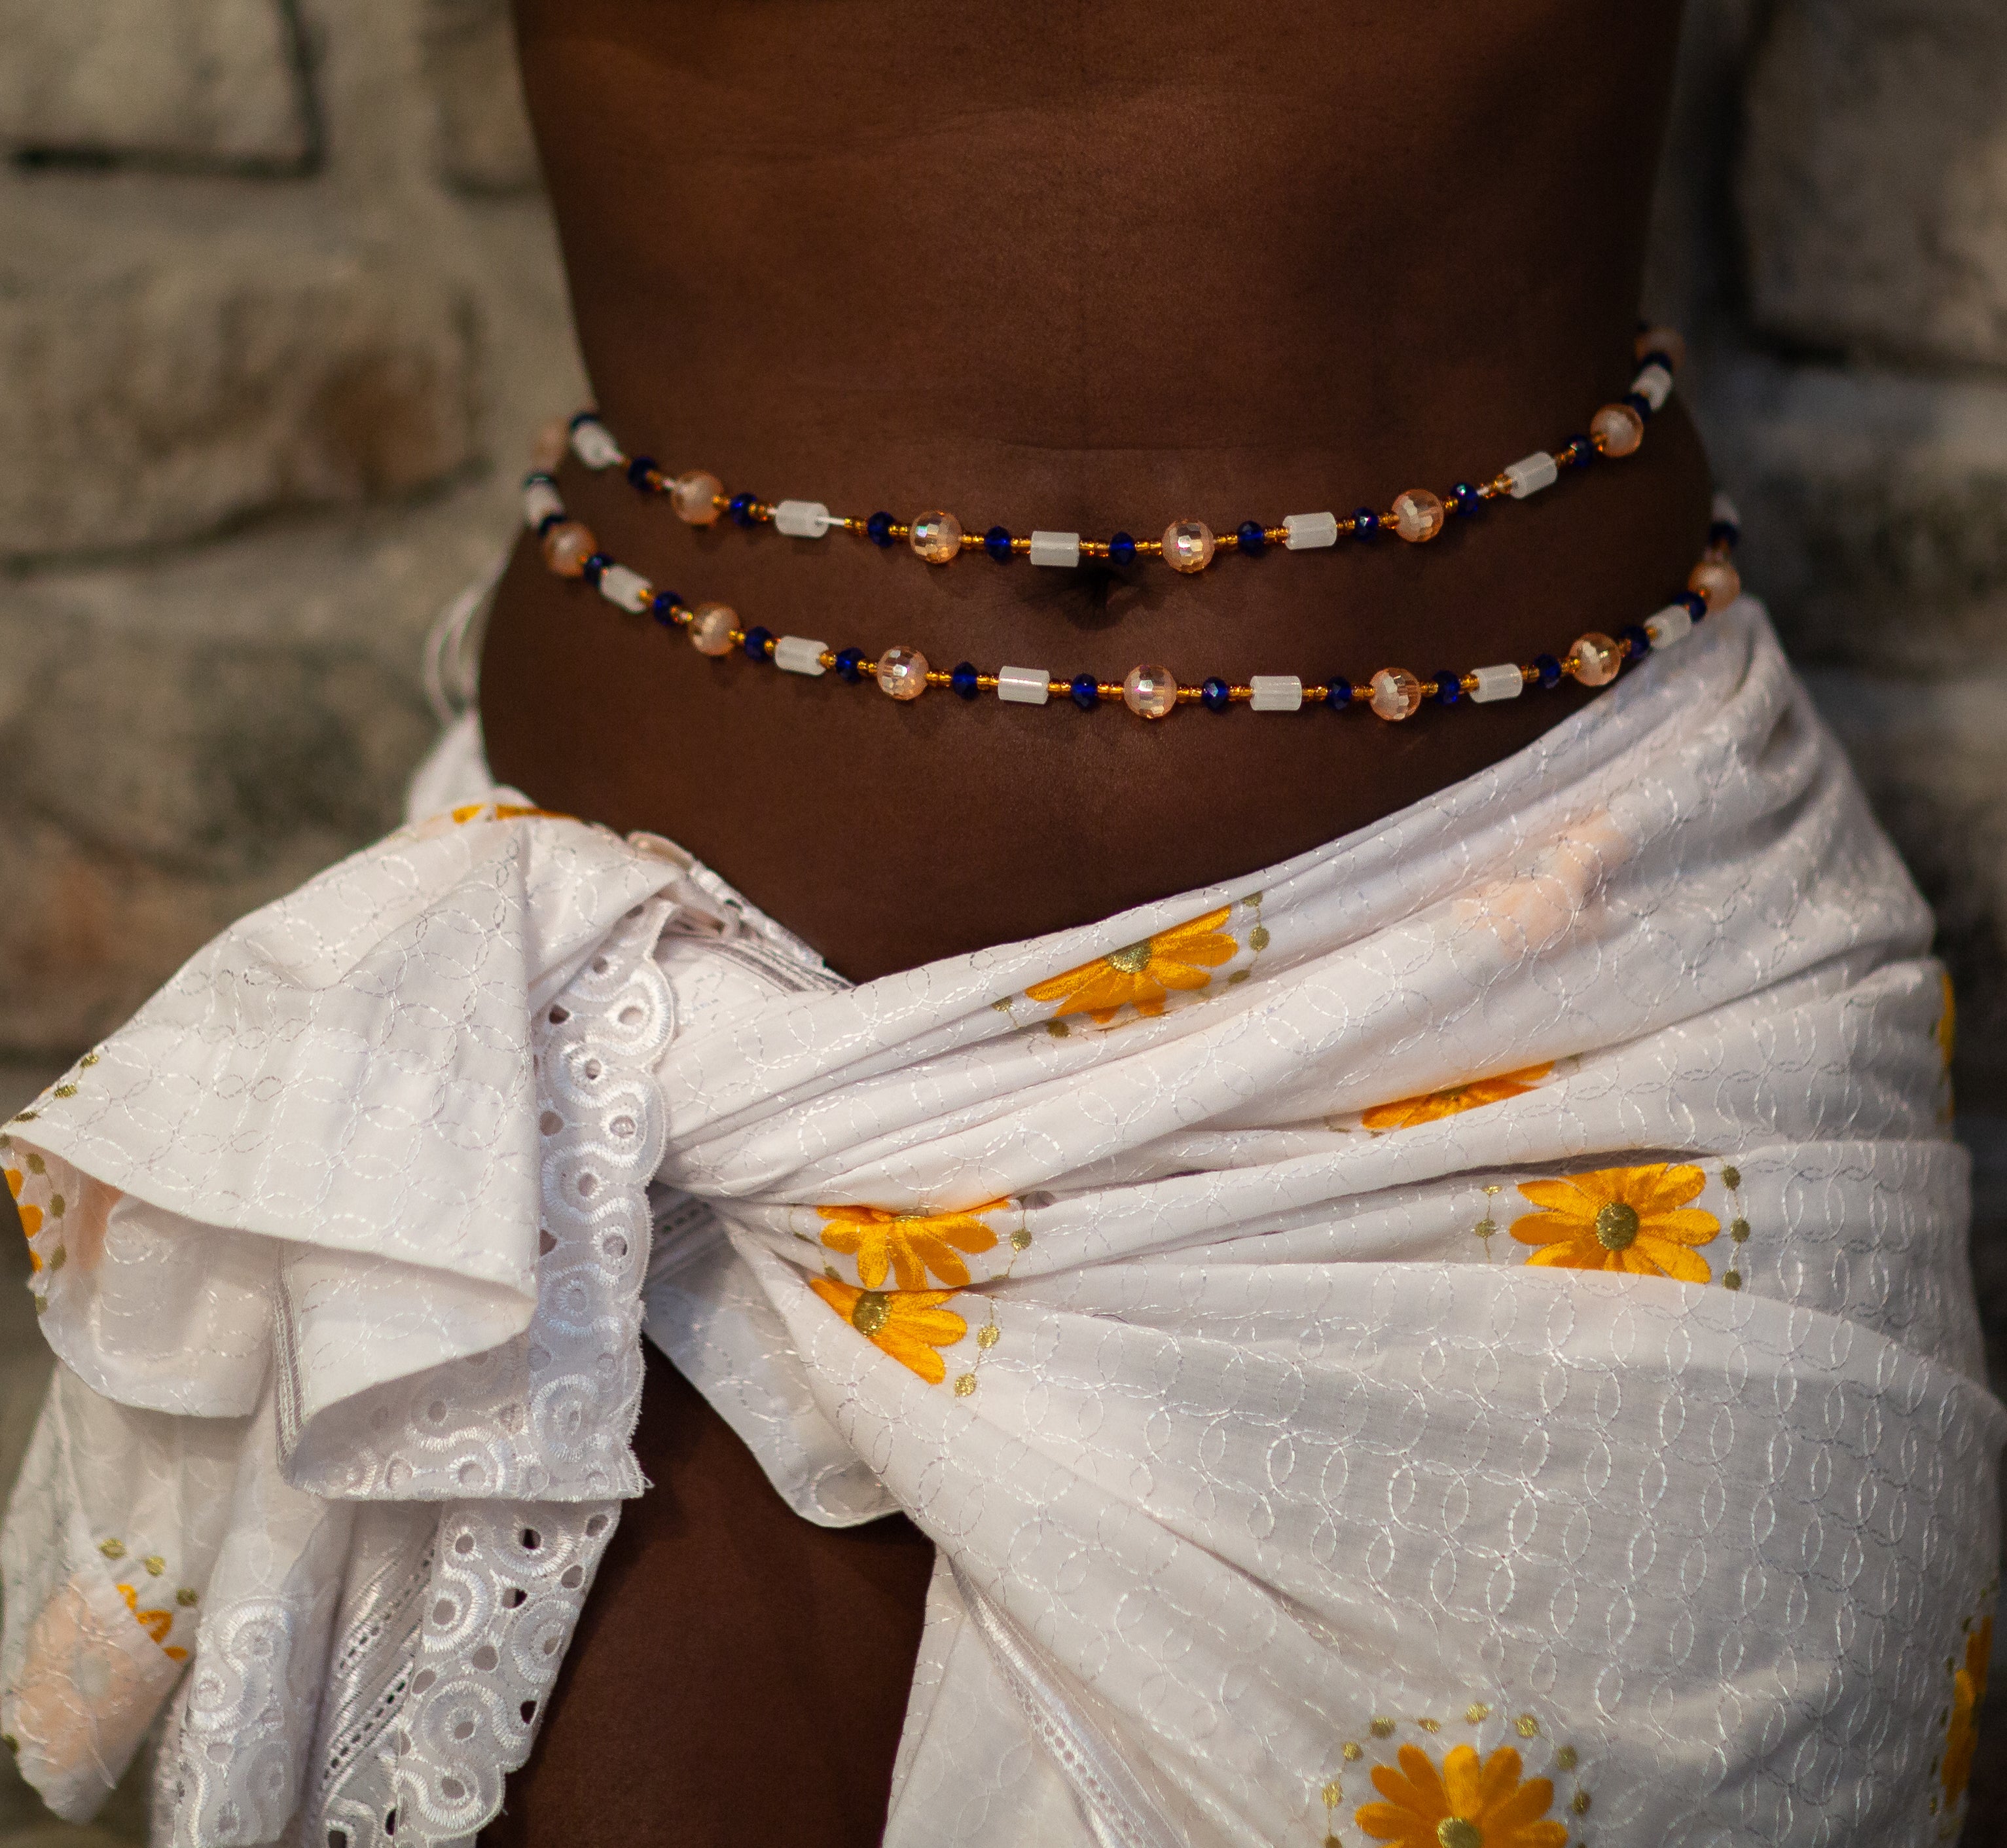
x=1449 y=687
x=1655 y=357
x=961 y=678
x=639 y=470
x=1365 y=524
x=740 y=507
x=1253 y=541
x=1550 y=670
x=1122 y=550
x=1693 y=604
x=1338 y=694
x=1640 y=643
x=1724 y=532
x=997 y=542
x=664 y=607
x=756 y=642
x=1214 y=696
x=549 y=520
x=848 y=664
x=594 y=567
x=1086 y=691
x=584 y=417
x=1638 y=403
x=1579 y=452
x=878 y=529
x=1466 y=499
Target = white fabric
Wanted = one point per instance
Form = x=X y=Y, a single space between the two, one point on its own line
x=1283 y=1463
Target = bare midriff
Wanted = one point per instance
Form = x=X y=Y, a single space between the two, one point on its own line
x=1079 y=267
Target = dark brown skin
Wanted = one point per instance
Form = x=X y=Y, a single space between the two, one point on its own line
x=1073 y=266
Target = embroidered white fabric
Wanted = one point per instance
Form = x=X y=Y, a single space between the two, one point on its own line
x=1474 y=1317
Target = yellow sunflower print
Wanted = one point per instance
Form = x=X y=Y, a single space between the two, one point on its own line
x=1634 y=1220
x=1968 y=1695
x=909 y=1325
x=907 y=1244
x=1142 y=974
x=1469 y=1804
x=1408 y=1111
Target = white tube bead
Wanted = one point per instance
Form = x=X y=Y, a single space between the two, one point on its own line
x=540 y=501
x=1060 y=550
x=1275 y=693
x=625 y=589
x=1654 y=385
x=1724 y=509
x=1530 y=473
x=801 y=519
x=1307 y=531
x=797 y=654
x=1503 y=681
x=1672 y=624
x=1022 y=686
x=592 y=444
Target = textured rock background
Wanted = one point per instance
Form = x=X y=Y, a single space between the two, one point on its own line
x=280 y=308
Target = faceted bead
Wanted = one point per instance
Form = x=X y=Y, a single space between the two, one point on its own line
x=710 y=628
x=849 y=665
x=566 y=547
x=664 y=607
x=1149 y=692
x=1666 y=341
x=997 y=542
x=549 y=450
x=1418 y=515
x=878 y=529
x=1596 y=659
x=1252 y=539
x=1723 y=534
x=1616 y=429
x=1549 y=669
x=1338 y=692
x=595 y=567
x=1447 y=687
x=740 y=507
x=1122 y=550
x=1716 y=579
x=1638 y=403
x=1693 y=604
x=756 y=644
x=1214 y=695
x=1397 y=694
x=1188 y=545
x=902 y=673
x=694 y=497
x=962 y=678
x=639 y=470
x=1640 y=643
x=1365 y=522
x=936 y=537
x=1466 y=500
x=1086 y=692
x=1578 y=454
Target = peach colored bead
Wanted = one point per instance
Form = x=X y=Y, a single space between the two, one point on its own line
x=1149 y=692
x=902 y=673
x=1667 y=340
x=1397 y=694
x=1188 y=545
x=566 y=547
x=711 y=627
x=1595 y=659
x=1717 y=580
x=1418 y=515
x=547 y=452
x=936 y=537
x=694 y=496
x=1616 y=429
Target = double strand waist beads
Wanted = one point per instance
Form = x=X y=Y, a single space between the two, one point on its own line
x=1417 y=516
x=1149 y=691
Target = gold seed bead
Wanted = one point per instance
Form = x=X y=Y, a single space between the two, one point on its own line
x=1469 y=683
x=986 y=683
x=1059 y=686
x=1241 y=693
x=1275 y=535
x=826 y=659
x=1153 y=547
x=938 y=677
x=1021 y=547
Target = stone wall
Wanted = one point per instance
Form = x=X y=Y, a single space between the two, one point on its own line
x=280 y=307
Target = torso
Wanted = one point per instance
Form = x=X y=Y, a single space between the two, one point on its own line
x=1077 y=267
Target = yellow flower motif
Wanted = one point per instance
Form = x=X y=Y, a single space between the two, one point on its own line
x=909 y=1325
x=1968 y=1694
x=30 y=1214
x=1144 y=973
x=1408 y=1111
x=908 y=1244
x=1630 y=1219
x=157 y=1623
x=468 y=811
x=1467 y=1805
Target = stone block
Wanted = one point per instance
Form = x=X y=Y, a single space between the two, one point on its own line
x=484 y=143
x=214 y=377
x=193 y=82
x=1874 y=181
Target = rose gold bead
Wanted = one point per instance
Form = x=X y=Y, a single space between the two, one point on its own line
x=902 y=673
x=1596 y=659
x=566 y=547
x=1717 y=580
x=1188 y=545
x=1418 y=515
x=1397 y=694
x=1616 y=429
x=1149 y=692
x=1667 y=340
x=547 y=452
x=711 y=627
x=694 y=496
x=936 y=537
